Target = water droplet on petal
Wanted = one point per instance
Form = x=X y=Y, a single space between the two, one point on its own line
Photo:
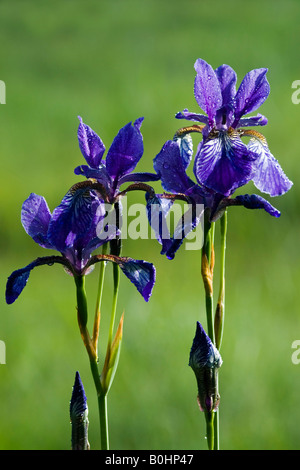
x=166 y=166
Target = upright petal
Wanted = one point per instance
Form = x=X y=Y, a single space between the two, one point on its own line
x=207 y=89
x=252 y=93
x=169 y=165
x=125 y=151
x=227 y=80
x=35 y=218
x=269 y=177
x=223 y=163
x=90 y=144
x=157 y=210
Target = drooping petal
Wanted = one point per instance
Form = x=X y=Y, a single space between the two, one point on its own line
x=74 y=224
x=18 y=279
x=157 y=208
x=169 y=165
x=227 y=80
x=125 y=151
x=90 y=144
x=187 y=223
x=35 y=218
x=223 y=162
x=252 y=93
x=185 y=143
x=251 y=201
x=207 y=89
x=141 y=273
x=269 y=177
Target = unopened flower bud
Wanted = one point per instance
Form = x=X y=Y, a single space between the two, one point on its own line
x=205 y=360
x=79 y=416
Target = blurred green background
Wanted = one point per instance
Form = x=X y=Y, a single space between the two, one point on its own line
x=112 y=62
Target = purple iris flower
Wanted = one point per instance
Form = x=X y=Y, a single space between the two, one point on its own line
x=121 y=159
x=223 y=162
x=171 y=165
x=76 y=228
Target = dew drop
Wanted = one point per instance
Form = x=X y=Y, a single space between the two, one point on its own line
x=166 y=166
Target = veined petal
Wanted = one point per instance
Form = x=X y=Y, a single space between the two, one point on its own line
x=223 y=162
x=269 y=177
x=90 y=144
x=74 y=222
x=207 y=89
x=169 y=165
x=227 y=80
x=100 y=174
x=252 y=93
x=185 y=143
x=141 y=273
x=125 y=151
x=35 y=218
x=18 y=279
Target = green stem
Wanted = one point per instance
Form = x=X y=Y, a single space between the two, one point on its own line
x=220 y=310
x=89 y=344
x=209 y=416
x=116 y=276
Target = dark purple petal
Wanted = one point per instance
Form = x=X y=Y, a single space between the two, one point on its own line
x=185 y=114
x=170 y=167
x=157 y=208
x=252 y=93
x=227 y=80
x=188 y=222
x=35 y=218
x=207 y=89
x=269 y=177
x=100 y=174
x=125 y=151
x=141 y=273
x=223 y=163
x=253 y=201
x=90 y=144
x=18 y=279
x=74 y=224
x=138 y=178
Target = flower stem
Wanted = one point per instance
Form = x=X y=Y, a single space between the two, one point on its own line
x=220 y=310
x=99 y=299
x=82 y=314
x=209 y=417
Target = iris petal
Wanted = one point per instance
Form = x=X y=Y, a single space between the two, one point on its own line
x=227 y=80
x=18 y=279
x=169 y=165
x=207 y=89
x=35 y=218
x=90 y=144
x=141 y=273
x=223 y=162
x=253 y=201
x=125 y=151
x=252 y=93
x=269 y=176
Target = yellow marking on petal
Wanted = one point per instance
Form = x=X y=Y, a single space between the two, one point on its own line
x=252 y=133
x=187 y=130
